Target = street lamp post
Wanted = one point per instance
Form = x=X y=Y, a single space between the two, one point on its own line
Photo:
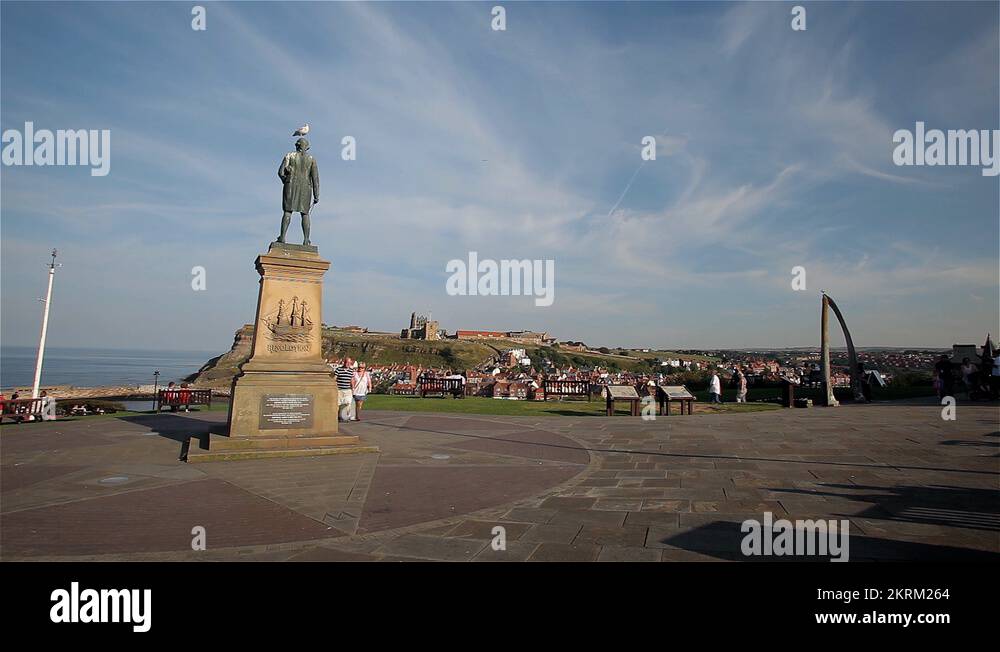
x=45 y=329
x=156 y=385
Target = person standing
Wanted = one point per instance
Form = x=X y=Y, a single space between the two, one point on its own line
x=345 y=397
x=866 y=383
x=969 y=372
x=48 y=406
x=741 y=386
x=946 y=382
x=361 y=384
x=715 y=388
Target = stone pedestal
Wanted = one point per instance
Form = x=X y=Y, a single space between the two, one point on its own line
x=284 y=400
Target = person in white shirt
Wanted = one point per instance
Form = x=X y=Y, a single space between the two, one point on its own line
x=48 y=406
x=715 y=388
x=361 y=384
x=345 y=381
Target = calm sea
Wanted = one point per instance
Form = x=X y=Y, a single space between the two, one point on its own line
x=97 y=367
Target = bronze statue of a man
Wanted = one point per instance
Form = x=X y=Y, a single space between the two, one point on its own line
x=300 y=177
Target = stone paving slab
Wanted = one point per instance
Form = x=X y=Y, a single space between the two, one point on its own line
x=530 y=514
x=321 y=553
x=623 y=536
x=472 y=529
x=515 y=551
x=579 y=518
x=616 y=553
x=564 y=552
x=551 y=533
x=330 y=490
x=564 y=488
x=408 y=495
x=19 y=477
x=431 y=547
x=154 y=519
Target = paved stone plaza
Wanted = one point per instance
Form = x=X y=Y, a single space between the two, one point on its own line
x=591 y=488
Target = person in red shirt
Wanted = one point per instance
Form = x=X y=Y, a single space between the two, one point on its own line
x=170 y=396
x=185 y=396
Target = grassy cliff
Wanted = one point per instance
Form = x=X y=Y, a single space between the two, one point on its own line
x=387 y=348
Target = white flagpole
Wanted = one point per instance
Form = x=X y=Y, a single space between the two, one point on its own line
x=45 y=328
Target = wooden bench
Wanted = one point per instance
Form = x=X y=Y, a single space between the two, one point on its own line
x=20 y=409
x=403 y=389
x=667 y=394
x=183 y=397
x=442 y=386
x=622 y=393
x=565 y=388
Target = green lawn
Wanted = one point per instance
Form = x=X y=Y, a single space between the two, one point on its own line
x=573 y=408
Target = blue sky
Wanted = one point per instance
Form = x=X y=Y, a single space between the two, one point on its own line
x=774 y=150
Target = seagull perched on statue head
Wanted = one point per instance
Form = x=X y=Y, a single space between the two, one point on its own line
x=302 y=131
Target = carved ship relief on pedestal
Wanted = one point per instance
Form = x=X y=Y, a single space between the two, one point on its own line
x=290 y=323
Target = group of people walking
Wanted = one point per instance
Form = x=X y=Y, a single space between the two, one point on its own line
x=978 y=381
x=353 y=387
x=739 y=382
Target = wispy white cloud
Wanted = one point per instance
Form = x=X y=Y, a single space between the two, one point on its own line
x=773 y=149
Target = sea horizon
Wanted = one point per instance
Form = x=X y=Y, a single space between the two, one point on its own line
x=98 y=366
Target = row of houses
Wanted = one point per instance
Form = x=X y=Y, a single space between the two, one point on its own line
x=511 y=376
x=528 y=337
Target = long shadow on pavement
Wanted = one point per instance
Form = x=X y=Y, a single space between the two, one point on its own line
x=977 y=509
x=176 y=427
x=723 y=540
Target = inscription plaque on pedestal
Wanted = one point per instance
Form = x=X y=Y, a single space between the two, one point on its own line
x=286 y=411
